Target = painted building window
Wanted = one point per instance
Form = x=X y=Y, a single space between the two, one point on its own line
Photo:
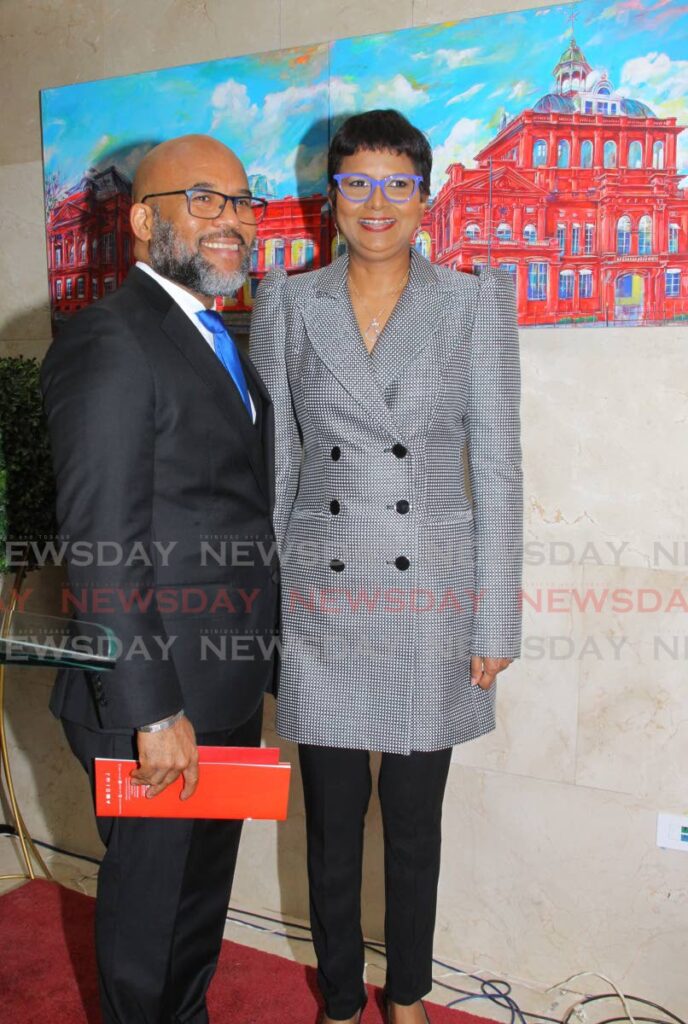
x=610 y=153
x=575 y=239
x=672 y=282
x=82 y=252
x=561 y=237
x=504 y=232
x=447 y=227
x=338 y=246
x=563 y=153
x=58 y=289
x=512 y=268
x=624 y=286
x=530 y=234
x=94 y=251
x=585 y=284
x=80 y=287
x=635 y=156
x=69 y=288
x=645 y=236
x=58 y=255
x=602 y=107
x=566 y=280
x=658 y=155
x=623 y=236
x=301 y=252
x=423 y=244
x=588 y=239
x=673 y=237
x=107 y=247
x=255 y=254
x=94 y=287
x=539 y=153
x=479 y=266
x=586 y=153
x=109 y=285
x=589 y=107
x=274 y=252
x=537 y=281
x=472 y=231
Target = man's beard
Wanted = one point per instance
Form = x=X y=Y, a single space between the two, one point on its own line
x=171 y=257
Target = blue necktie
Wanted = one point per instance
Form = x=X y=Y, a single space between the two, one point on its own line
x=226 y=351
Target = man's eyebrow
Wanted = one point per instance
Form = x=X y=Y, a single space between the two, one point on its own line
x=211 y=187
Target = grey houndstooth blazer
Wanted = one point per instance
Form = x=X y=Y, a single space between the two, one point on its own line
x=390 y=579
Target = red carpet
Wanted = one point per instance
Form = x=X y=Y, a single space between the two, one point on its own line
x=47 y=970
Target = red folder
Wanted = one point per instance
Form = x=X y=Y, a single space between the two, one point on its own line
x=233 y=782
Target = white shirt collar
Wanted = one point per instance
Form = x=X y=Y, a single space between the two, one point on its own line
x=190 y=305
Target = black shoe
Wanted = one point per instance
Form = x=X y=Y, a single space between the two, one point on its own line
x=385 y=1004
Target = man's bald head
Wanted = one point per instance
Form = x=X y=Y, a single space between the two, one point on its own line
x=206 y=256
x=171 y=162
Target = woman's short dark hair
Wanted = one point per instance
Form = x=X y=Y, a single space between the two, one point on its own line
x=381 y=130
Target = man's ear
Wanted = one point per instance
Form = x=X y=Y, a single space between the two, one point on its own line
x=141 y=220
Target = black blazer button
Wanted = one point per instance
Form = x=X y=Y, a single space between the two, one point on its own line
x=402 y=563
x=336 y=453
x=400 y=451
x=337 y=565
x=403 y=507
x=335 y=507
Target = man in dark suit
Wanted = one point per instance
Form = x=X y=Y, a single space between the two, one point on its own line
x=162 y=438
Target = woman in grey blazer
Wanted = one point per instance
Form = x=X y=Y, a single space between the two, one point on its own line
x=400 y=597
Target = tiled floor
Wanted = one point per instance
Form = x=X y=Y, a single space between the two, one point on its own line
x=287 y=939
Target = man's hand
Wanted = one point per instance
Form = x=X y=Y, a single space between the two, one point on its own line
x=166 y=755
x=484 y=670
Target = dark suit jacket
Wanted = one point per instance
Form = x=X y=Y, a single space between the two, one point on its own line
x=156 y=458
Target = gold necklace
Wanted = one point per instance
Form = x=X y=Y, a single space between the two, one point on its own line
x=375 y=326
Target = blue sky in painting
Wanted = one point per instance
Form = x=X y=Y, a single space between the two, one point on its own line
x=454 y=81
x=264 y=106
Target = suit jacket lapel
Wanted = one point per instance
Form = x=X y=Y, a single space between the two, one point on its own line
x=200 y=356
x=334 y=334
x=408 y=330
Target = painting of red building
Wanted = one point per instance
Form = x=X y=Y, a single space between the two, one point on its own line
x=91 y=245
x=579 y=198
x=89 y=241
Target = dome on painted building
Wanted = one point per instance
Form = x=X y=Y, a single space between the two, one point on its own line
x=580 y=89
x=635 y=108
x=556 y=103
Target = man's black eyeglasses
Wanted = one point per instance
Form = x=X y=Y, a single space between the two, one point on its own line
x=209 y=205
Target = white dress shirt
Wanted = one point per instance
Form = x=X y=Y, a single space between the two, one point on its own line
x=191 y=306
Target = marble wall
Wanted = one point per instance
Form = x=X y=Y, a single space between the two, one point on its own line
x=550 y=864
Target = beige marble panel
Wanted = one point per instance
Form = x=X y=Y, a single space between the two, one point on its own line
x=633 y=716
x=24 y=311
x=43 y=43
x=164 y=33
x=537 y=696
x=429 y=12
x=540 y=880
x=602 y=409
x=316 y=21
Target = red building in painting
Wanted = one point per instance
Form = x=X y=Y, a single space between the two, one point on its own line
x=90 y=244
x=89 y=241
x=579 y=198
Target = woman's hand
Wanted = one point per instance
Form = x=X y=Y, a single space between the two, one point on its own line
x=484 y=670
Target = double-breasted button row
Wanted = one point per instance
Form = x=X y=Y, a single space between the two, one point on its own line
x=402 y=563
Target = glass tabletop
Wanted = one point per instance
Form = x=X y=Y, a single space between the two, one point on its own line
x=53 y=641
